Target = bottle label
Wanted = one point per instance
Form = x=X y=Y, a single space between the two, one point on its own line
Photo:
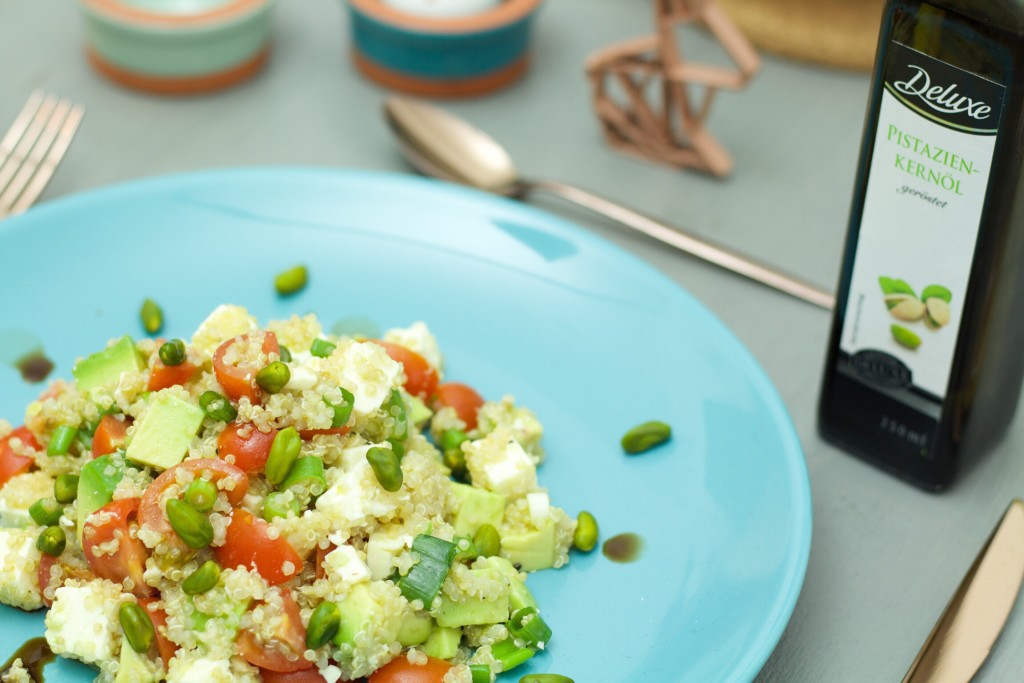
x=923 y=206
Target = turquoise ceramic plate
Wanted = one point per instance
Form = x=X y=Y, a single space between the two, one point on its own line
x=589 y=337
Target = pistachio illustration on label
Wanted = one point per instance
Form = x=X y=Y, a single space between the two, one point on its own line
x=936 y=300
x=903 y=303
x=905 y=337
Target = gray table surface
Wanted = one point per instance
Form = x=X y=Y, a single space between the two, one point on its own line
x=885 y=557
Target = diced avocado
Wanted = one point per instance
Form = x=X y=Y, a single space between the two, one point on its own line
x=418 y=413
x=442 y=642
x=532 y=550
x=476 y=507
x=358 y=613
x=415 y=628
x=103 y=369
x=163 y=435
x=133 y=667
x=96 y=484
x=474 y=611
x=519 y=596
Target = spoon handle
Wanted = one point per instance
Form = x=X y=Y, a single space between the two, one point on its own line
x=689 y=243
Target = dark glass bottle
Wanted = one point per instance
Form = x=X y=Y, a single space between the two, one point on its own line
x=926 y=354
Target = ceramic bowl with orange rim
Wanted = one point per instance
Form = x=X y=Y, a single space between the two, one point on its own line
x=442 y=55
x=177 y=47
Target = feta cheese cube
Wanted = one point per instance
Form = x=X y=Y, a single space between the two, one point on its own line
x=345 y=563
x=19 y=564
x=18 y=495
x=499 y=464
x=83 y=624
x=383 y=547
x=226 y=321
x=209 y=670
x=368 y=372
x=540 y=508
x=354 y=496
x=417 y=337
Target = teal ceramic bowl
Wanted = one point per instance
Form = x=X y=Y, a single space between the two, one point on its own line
x=442 y=56
x=177 y=47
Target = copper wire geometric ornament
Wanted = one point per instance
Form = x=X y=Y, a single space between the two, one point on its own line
x=654 y=104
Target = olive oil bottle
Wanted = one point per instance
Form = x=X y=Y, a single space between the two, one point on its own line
x=927 y=347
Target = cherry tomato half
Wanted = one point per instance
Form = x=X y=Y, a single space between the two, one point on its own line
x=109 y=435
x=151 y=513
x=115 y=522
x=163 y=376
x=239 y=380
x=420 y=376
x=165 y=646
x=248 y=445
x=12 y=463
x=463 y=398
x=401 y=670
x=248 y=544
x=283 y=653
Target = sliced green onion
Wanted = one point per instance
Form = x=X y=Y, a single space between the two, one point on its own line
x=291 y=281
x=285 y=354
x=201 y=494
x=396 y=408
x=172 y=353
x=510 y=655
x=322 y=348
x=217 y=407
x=65 y=488
x=387 y=467
x=466 y=549
x=60 y=442
x=273 y=378
x=202 y=579
x=45 y=511
x=280 y=504
x=152 y=316
x=137 y=626
x=545 y=678
x=481 y=673
x=283 y=453
x=191 y=525
x=308 y=471
x=52 y=541
x=427 y=576
x=342 y=410
x=527 y=625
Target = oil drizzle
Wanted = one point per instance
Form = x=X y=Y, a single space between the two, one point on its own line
x=35 y=367
x=35 y=654
x=24 y=352
x=623 y=548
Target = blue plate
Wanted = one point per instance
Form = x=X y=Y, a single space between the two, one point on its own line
x=589 y=337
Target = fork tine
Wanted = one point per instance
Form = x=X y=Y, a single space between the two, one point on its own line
x=35 y=156
x=26 y=140
x=50 y=161
x=21 y=122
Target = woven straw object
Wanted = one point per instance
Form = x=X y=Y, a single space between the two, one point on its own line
x=840 y=33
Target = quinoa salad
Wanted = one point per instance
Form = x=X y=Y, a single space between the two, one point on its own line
x=276 y=503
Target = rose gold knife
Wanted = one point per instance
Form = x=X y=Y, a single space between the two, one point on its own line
x=977 y=612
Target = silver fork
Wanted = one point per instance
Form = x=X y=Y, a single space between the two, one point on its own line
x=33 y=147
